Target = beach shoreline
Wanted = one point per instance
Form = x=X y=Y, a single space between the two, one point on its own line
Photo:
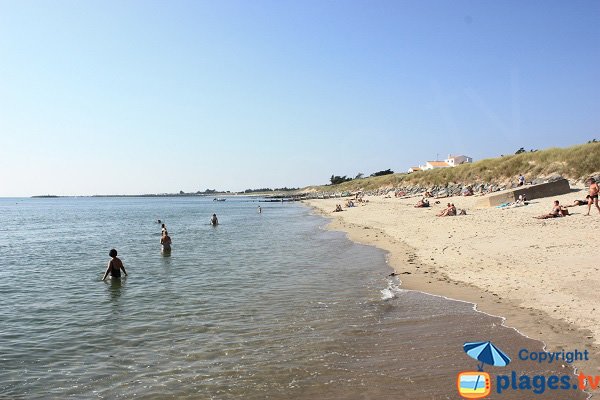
x=451 y=257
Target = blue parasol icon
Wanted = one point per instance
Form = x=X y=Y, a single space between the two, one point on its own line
x=486 y=353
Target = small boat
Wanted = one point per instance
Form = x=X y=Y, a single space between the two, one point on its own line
x=219 y=199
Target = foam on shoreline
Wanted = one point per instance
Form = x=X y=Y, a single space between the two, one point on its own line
x=542 y=288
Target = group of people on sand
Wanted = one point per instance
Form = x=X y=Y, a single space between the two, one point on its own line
x=449 y=211
x=590 y=199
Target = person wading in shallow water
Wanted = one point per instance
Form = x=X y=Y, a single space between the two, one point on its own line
x=165 y=242
x=115 y=265
x=214 y=221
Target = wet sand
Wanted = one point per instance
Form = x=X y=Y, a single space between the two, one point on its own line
x=535 y=273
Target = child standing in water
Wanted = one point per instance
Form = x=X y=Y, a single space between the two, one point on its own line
x=115 y=265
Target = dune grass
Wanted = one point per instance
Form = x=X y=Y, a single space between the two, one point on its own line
x=575 y=163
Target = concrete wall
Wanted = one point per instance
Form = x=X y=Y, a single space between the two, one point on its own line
x=531 y=192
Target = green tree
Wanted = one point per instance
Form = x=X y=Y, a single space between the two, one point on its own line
x=381 y=173
x=335 y=179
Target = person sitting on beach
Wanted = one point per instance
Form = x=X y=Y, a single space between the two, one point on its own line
x=450 y=211
x=422 y=203
x=521 y=180
x=593 y=199
x=521 y=201
x=577 y=203
x=557 y=211
x=428 y=194
x=214 y=221
x=338 y=208
x=468 y=191
x=165 y=242
x=115 y=265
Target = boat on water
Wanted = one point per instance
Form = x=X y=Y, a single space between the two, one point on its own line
x=219 y=199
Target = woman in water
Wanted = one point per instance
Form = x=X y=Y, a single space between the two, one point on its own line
x=165 y=241
x=214 y=221
x=115 y=265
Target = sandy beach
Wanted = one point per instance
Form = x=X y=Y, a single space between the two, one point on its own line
x=541 y=275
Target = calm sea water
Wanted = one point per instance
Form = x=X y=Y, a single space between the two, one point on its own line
x=263 y=306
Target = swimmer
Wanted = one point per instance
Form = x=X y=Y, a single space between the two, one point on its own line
x=214 y=221
x=165 y=242
x=115 y=265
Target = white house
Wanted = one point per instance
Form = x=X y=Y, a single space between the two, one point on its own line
x=434 y=165
x=453 y=161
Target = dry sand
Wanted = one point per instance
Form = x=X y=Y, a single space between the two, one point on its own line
x=541 y=275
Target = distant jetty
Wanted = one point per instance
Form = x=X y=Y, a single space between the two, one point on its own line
x=45 y=196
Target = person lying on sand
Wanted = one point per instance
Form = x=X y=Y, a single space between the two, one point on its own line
x=422 y=203
x=577 y=203
x=557 y=211
x=450 y=211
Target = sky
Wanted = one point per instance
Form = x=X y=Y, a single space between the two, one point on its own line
x=133 y=97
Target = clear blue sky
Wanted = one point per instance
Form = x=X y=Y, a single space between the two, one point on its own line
x=101 y=97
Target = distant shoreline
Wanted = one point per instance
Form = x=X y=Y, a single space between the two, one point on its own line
x=214 y=195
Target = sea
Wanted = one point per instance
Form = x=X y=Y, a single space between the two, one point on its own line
x=266 y=305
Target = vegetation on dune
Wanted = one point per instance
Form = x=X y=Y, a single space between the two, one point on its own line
x=575 y=163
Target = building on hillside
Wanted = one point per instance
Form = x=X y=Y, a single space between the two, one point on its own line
x=434 y=165
x=453 y=161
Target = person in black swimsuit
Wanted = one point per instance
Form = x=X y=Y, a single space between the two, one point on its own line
x=577 y=203
x=115 y=265
x=593 y=199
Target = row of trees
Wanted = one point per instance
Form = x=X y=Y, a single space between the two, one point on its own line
x=283 y=189
x=336 y=179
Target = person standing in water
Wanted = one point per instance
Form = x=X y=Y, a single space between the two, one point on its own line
x=115 y=265
x=165 y=242
x=214 y=221
x=163 y=229
x=259 y=210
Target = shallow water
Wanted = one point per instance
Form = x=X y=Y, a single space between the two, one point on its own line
x=263 y=306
